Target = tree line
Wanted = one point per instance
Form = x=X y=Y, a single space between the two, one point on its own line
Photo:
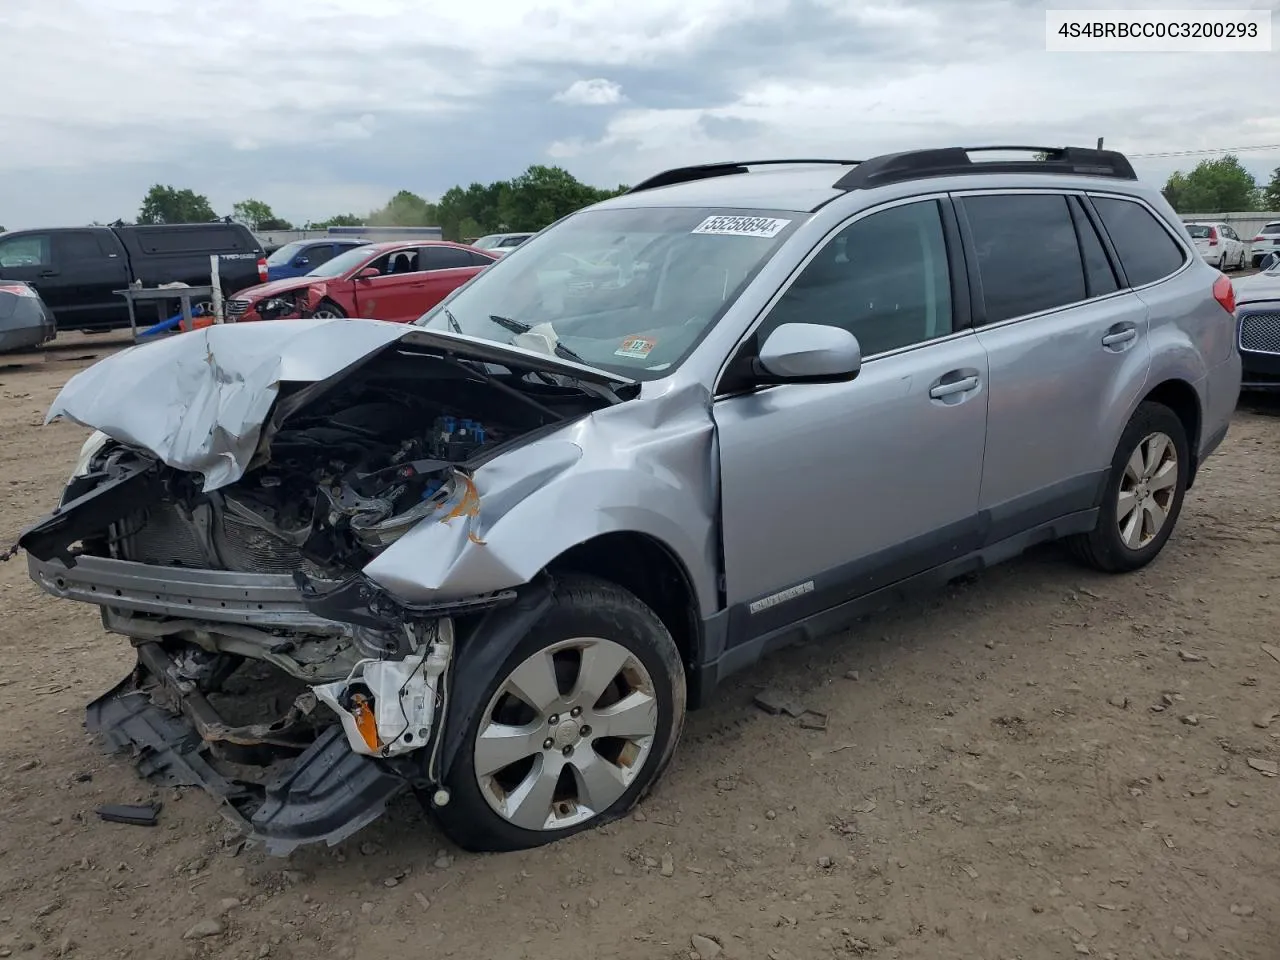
x=1221 y=186
x=527 y=202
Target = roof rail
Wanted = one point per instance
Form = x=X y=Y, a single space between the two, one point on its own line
x=948 y=161
x=705 y=171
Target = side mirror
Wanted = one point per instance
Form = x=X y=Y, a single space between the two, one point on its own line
x=301 y=262
x=368 y=273
x=808 y=353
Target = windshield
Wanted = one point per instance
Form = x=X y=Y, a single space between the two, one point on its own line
x=488 y=243
x=342 y=263
x=285 y=254
x=1198 y=231
x=1270 y=230
x=630 y=291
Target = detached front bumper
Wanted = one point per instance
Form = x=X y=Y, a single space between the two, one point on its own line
x=324 y=795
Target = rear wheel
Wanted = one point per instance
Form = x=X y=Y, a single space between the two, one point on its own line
x=1144 y=494
x=328 y=310
x=579 y=723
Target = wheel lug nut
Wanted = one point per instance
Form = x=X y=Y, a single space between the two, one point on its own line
x=585 y=732
x=548 y=743
x=575 y=712
x=567 y=751
x=553 y=719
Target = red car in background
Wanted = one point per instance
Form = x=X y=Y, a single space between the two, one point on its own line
x=397 y=281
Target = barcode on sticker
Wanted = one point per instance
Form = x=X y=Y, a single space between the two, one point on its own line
x=742 y=226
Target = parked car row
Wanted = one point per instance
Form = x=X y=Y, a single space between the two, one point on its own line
x=1221 y=246
x=77 y=270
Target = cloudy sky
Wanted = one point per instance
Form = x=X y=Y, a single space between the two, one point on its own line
x=329 y=106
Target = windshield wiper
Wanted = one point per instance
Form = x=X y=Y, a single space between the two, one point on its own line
x=519 y=326
x=515 y=326
x=453 y=321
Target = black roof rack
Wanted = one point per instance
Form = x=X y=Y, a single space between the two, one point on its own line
x=948 y=161
x=705 y=171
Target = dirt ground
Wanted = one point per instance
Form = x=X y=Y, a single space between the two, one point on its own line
x=1043 y=763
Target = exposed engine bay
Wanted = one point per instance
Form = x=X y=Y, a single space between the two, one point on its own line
x=346 y=475
x=236 y=670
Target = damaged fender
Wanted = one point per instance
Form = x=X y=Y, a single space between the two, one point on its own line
x=646 y=466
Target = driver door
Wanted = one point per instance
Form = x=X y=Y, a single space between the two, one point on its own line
x=832 y=491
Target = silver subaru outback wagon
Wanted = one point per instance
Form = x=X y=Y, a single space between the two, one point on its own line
x=493 y=556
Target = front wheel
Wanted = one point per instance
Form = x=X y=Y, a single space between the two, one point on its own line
x=579 y=723
x=1145 y=489
x=328 y=310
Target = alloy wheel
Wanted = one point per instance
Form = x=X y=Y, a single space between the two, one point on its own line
x=1147 y=490
x=565 y=734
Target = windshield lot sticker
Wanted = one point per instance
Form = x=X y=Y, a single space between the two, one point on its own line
x=742 y=226
x=637 y=348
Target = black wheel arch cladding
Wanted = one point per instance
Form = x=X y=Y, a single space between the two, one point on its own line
x=486 y=648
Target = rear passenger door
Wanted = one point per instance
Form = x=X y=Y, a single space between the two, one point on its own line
x=91 y=266
x=1068 y=351
x=446 y=269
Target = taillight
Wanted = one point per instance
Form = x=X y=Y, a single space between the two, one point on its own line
x=262 y=269
x=1213 y=236
x=1224 y=293
x=1259 y=238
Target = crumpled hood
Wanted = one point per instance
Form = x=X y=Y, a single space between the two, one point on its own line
x=198 y=400
x=277 y=287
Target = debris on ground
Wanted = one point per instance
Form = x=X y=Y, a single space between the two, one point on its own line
x=708 y=948
x=1188 y=657
x=774 y=702
x=204 y=929
x=1272 y=651
x=1268 y=768
x=136 y=815
x=813 y=720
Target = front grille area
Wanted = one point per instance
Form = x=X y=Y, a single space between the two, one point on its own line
x=161 y=535
x=247 y=548
x=1260 y=332
x=235 y=308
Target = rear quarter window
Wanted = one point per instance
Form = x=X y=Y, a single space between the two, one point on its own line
x=1146 y=249
x=213 y=239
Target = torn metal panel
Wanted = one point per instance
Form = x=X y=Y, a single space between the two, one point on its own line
x=647 y=465
x=198 y=401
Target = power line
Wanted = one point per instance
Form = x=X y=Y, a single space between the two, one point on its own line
x=1202 y=153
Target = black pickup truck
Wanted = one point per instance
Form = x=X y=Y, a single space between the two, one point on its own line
x=76 y=269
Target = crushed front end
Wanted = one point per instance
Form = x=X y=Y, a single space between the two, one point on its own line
x=270 y=670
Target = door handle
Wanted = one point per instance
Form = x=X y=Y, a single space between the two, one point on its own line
x=950 y=389
x=45 y=274
x=1119 y=337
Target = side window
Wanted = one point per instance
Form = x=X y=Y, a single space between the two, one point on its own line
x=1028 y=256
x=320 y=253
x=30 y=250
x=399 y=262
x=77 y=247
x=1099 y=278
x=479 y=259
x=1146 y=250
x=884 y=278
x=443 y=258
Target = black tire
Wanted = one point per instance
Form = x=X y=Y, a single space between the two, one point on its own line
x=330 y=306
x=582 y=607
x=1103 y=548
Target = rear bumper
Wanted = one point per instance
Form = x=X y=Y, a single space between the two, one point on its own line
x=27 y=336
